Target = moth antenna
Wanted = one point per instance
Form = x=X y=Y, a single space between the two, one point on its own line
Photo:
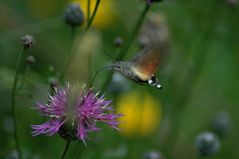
x=97 y=71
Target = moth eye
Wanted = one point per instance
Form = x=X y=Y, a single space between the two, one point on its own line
x=117 y=67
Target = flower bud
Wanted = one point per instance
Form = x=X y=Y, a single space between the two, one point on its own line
x=207 y=143
x=54 y=82
x=222 y=123
x=73 y=15
x=30 y=60
x=68 y=131
x=118 y=42
x=27 y=41
x=153 y=154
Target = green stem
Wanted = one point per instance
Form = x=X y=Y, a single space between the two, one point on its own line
x=14 y=90
x=93 y=15
x=24 y=73
x=133 y=32
x=128 y=42
x=65 y=149
x=74 y=47
x=88 y=11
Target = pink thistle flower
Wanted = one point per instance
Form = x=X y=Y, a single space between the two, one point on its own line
x=74 y=113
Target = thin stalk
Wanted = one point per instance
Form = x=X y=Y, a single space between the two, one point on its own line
x=129 y=41
x=89 y=22
x=21 y=85
x=14 y=90
x=133 y=32
x=74 y=47
x=88 y=10
x=65 y=149
x=93 y=15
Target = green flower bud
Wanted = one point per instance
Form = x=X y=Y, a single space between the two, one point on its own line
x=207 y=144
x=73 y=15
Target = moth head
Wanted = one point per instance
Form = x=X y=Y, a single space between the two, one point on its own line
x=118 y=66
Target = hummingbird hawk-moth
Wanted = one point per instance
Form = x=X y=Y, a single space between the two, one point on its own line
x=141 y=68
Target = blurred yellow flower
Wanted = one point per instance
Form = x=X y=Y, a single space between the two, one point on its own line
x=105 y=14
x=142 y=114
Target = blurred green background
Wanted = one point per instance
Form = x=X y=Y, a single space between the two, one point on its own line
x=200 y=76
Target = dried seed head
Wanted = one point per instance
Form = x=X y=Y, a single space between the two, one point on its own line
x=73 y=15
x=207 y=144
x=27 y=41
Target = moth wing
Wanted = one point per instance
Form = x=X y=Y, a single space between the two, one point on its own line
x=147 y=61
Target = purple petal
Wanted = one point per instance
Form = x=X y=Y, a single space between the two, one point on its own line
x=57 y=104
x=92 y=109
x=81 y=132
x=48 y=128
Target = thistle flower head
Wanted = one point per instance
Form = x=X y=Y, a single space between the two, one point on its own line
x=73 y=113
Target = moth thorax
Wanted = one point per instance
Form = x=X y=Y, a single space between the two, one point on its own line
x=140 y=74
